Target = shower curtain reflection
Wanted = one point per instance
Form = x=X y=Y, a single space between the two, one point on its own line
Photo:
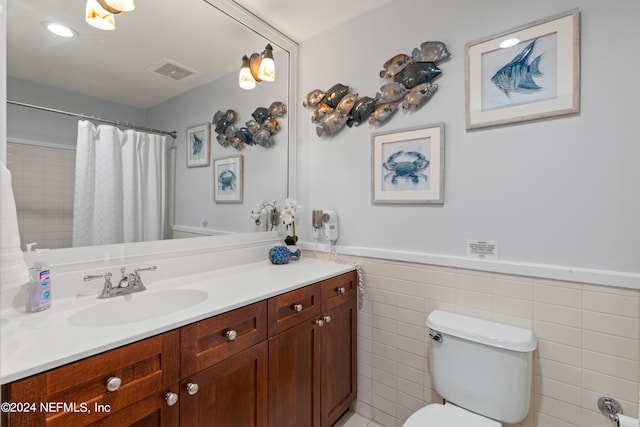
x=120 y=186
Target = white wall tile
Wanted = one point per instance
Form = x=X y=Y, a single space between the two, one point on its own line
x=588 y=339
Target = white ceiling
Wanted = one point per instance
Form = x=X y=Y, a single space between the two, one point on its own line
x=112 y=65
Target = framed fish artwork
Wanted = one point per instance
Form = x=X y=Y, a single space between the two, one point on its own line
x=227 y=179
x=198 y=145
x=408 y=165
x=526 y=73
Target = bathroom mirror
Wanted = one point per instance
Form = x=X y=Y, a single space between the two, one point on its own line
x=110 y=74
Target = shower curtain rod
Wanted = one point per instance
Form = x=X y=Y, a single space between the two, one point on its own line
x=172 y=134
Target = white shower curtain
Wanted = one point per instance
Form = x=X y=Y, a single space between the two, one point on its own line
x=120 y=186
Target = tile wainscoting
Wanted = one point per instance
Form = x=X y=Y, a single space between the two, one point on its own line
x=588 y=339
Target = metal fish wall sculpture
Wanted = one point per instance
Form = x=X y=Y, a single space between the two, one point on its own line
x=257 y=131
x=408 y=82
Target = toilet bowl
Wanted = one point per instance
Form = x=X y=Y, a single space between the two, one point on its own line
x=448 y=415
x=482 y=370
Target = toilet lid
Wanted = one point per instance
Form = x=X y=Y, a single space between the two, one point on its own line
x=449 y=415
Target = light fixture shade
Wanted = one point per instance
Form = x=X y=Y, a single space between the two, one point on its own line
x=246 y=80
x=115 y=6
x=98 y=17
x=267 y=71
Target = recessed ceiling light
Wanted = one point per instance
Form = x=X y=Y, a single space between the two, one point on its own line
x=509 y=43
x=59 y=29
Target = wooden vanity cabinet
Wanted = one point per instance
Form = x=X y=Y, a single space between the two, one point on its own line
x=286 y=361
x=312 y=354
x=122 y=387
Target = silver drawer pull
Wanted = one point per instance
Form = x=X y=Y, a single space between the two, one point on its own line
x=320 y=323
x=171 y=398
x=231 y=335
x=113 y=384
x=327 y=319
x=192 y=389
x=341 y=290
x=297 y=307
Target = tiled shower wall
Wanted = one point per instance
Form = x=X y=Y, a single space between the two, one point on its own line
x=42 y=181
x=588 y=339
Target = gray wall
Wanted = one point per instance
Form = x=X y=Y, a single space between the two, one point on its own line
x=560 y=192
x=265 y=169
x=42 y=126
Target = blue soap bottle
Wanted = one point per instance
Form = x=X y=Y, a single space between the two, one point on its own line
x=38 y=288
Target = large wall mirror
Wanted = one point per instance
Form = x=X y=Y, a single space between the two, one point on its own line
x=110 y=74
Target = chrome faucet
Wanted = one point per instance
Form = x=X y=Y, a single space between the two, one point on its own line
x=129 y=282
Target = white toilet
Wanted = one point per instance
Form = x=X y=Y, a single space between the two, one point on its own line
x=482 y=370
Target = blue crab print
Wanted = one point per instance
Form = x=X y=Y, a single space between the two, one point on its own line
x=227 y=180
x=406 y=169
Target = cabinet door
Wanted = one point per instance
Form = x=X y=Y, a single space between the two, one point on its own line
x=145 y=368
x=231 y=393
x=294 y=376
x=338 y=374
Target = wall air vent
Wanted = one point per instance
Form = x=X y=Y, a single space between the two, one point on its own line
x=173 y=70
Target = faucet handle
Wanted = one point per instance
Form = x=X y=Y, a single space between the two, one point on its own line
x=107 y=277
x=138 y=270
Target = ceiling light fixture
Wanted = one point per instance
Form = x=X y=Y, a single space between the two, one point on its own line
x=257 y=68
x=59 y=29
x=100 y=13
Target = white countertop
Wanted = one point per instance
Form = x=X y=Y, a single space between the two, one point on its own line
x=35 y=342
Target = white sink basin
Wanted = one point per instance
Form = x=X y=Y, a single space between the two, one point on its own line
x=136 y=307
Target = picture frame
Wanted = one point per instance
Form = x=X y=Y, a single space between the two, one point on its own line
x=199 y=145
x=228 y=179
x=408 y=165
x=536 y=78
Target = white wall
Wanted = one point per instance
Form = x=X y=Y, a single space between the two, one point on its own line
x=559 y=192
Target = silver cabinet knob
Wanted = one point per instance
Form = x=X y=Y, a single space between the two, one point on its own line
x=297 y=307
x=341 y=289
x=192 y=389
x=231 y=335
x=113 y=384
x=320 y=323
x=327 y=319
x=171 y=398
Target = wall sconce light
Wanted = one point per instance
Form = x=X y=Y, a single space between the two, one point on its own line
x=257 y=68
x=100 y=13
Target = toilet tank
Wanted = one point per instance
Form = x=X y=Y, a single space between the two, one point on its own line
x=482 y=366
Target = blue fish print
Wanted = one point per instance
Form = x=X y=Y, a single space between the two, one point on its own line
x=196 y=144
x=517 y=74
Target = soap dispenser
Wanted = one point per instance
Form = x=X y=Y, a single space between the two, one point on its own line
x=39 y=286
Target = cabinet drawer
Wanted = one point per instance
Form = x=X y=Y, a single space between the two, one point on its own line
x=289 y=309
x=212 y=340
x=144 y=368
x=339 y=289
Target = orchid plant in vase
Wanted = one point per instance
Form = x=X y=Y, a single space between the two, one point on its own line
x=289 y=220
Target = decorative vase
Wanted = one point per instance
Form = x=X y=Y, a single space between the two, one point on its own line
x=282 y=254
x=291 y=240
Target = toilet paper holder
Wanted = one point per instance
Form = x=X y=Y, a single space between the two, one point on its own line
x=610 y=408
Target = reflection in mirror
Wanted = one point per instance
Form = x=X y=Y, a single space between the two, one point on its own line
x=112 y=74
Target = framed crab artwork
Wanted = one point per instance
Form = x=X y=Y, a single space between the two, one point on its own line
x=408 y=165
x=227 y=179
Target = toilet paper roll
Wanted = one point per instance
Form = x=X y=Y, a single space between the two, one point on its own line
x=624 y=421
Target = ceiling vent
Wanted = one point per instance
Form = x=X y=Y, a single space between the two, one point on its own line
x=173 y=70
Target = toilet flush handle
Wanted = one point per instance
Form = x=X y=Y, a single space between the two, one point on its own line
x=435 y=336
